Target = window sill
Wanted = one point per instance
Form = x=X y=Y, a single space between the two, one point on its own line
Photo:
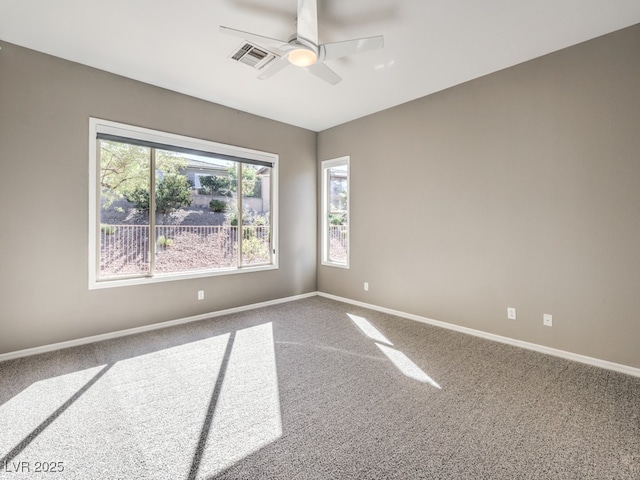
x=172 y=277
x=338 y=265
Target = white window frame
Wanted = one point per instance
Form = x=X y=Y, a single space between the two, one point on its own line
x=325 y=166
x=129 y=131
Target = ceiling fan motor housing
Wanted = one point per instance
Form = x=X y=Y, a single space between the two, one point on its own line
x=303 y=53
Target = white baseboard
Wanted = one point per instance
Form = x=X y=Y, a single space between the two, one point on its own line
x=617 y=367
x=146 y=328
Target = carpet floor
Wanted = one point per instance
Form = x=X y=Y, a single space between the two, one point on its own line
x=314 y=389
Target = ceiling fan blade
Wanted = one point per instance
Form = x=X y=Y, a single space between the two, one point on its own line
x=265 y=41
x=308 y=21
x=320 y=70
x=329 y=51
x=274 y=67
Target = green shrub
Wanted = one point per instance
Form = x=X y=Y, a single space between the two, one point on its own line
x=139 y=197
x=108 y=229
x=216 y=186
x=255 y=250
x=248 y=218
x=261 y=220
x=337 y=219
x=164 y=242
x=172 y=193
x=217 y=205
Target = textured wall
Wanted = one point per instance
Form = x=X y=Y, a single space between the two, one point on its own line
x=520 y=189
x=45 y=105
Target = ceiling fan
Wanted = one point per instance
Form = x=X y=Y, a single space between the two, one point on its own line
x=303 y=50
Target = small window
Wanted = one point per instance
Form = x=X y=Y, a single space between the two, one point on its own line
x=335 y=214
x=165 y=206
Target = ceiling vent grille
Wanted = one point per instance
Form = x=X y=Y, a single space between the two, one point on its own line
x=251 y=55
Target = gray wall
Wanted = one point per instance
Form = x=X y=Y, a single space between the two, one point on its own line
x=519 y=189
x=45 y=105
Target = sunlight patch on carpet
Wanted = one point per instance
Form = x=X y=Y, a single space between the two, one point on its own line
x=25 y=412
x=368 y=329
x=403 y=363
x=406 y=366
x=247 y=415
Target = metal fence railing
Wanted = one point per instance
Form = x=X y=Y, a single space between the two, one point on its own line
x=338 y=243
x=124 y=249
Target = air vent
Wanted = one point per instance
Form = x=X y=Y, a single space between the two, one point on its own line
x=251 y=55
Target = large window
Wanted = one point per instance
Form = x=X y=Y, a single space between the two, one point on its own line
x=165 y=206
x=335 y=214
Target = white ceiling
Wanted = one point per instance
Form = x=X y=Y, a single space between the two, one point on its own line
x=429 y=45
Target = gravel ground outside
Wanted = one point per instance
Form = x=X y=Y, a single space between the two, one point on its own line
x=122 y=213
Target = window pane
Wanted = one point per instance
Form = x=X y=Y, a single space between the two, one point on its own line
x=195 y=211
x=256 y=244
x=338 y=228
x=338 y=189
x=124 y=211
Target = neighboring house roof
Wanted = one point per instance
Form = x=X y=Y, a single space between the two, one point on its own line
x=200 y=166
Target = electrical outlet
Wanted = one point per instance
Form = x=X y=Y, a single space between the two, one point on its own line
x=547 y=319
x=511 y=313
x=200 y=294
x=366 y=286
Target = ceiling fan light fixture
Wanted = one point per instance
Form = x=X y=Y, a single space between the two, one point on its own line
x=302 y=57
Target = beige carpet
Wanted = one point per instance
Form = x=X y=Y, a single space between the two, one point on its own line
x=314 y=389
